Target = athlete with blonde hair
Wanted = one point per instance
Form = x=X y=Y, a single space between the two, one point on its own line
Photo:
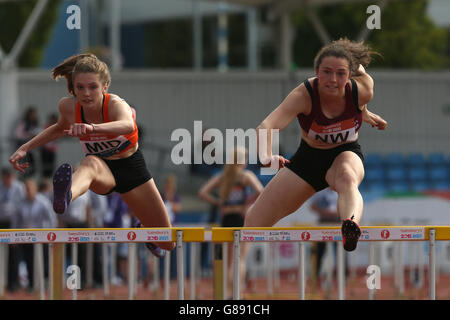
x=106 y=127
x=234 y=196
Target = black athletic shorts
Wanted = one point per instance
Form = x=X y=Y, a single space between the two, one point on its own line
x=232 y=220
x=312 y=164
x=129 y=173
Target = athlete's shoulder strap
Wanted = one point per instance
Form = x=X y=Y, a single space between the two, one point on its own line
x=105 y=107
x=309 y=88
x=355 y=93
x=78 y=111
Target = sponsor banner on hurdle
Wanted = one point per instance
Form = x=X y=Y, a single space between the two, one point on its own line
x=367 y=234
x=80 y=236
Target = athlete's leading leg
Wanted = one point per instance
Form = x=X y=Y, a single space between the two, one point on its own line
x=344 y=177
x=92 y=173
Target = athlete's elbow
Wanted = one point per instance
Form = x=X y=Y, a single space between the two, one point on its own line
x=370 y=93
x=129 y=127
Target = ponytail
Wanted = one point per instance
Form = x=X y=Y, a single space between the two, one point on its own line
x=81 y=63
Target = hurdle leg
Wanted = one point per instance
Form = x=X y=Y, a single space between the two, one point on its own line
x=398 y=268
x=113 y=262
x=167 y=276
x=225 y=270
x=269 y=255
x=432 y=263
x=3 y=265
x=341 y=273
x=420 y=264
x=56 y=270
x=153 y=286
x=74 y=249
x=371 y=262
x=131 y=270
x=105 y=269
x=329 y=271
x=276 y=276
x=301 y=270
x=236 y=265
x=89 y=265
x=192 y=270
x=180 y=265
x=218 y=271
x=40 y=269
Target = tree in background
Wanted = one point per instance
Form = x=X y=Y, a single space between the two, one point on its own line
x=169 y=44
x=13 y=16
x=407 y=39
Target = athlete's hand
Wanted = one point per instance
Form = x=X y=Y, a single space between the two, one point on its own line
x=14 y=160
x=274 y=160
x=374 y=120
x=79 y=129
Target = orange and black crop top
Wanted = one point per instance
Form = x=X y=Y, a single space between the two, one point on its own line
x=101 y=144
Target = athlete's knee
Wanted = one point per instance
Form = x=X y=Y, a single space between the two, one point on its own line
x=346 y=178
x=92 y=163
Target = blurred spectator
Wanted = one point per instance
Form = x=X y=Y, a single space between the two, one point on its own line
x=34 y=212
x=12 y=193
x=234 y=198
x=171 y=198
x=46 y=188
x=26 y=129
x=48 y=151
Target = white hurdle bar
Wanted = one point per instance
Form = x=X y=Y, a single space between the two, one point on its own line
x=302 y=235
x=56 y=238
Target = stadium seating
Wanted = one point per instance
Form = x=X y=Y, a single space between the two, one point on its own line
x=415 y=172
x=398 y=173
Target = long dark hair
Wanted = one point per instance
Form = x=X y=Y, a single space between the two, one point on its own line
x=355 y=53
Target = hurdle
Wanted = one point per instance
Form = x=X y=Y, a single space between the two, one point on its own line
x=328 y=234
x=56 y=238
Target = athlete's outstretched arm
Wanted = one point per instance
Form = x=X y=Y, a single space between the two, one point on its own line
x=295 y=103
x=49 y=134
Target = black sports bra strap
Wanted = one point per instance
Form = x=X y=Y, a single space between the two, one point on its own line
x=309 y=88
x=355 y=93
